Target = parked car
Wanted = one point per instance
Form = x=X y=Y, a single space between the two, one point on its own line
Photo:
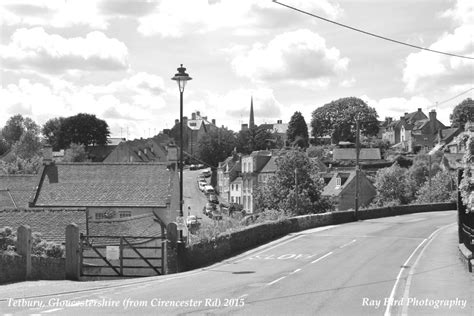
x=208 y=189
x=192 y=167
x=213 y=198
x=202 y=184
x=200 y=166
x=208 y=208
x=192 y=221
x=217 y=215
x=206 y=173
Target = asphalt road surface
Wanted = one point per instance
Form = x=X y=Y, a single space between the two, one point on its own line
x=403 y=265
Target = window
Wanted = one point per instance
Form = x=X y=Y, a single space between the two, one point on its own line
x=99 y=215
x=192 y=124
x=338 y=181
x=123 y=214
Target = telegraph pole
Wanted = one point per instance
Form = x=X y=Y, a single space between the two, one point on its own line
x=356 y=208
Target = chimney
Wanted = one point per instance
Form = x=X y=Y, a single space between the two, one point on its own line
x=193 y=116
x=185 y=120
x=214 y=121
x=406 y=113
x=419 y=109
x=433 y=121
x=47 y=154
x=198 y=113
x=176 y=122
x=279 y=121
x=245 y=127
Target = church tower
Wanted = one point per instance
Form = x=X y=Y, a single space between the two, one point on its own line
x=251 y=121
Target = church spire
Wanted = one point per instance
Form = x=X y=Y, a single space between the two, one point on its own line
x=251 y=121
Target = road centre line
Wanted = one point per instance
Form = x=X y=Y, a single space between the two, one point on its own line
x=297 y=270
x=52 y=310
x=273 y=282
x=321 y=258
x=353 y=241
x=412 y=269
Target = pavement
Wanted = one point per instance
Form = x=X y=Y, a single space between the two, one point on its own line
x=402 y=265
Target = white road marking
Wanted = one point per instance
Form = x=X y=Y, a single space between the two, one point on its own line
x=273 y=282
x=416 y=220
x=353 y=241
x=265 y=250
x=321 y=258
x=412 y=270
x=392 y=293
x=295 y=271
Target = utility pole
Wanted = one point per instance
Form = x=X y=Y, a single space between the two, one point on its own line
x=296 y=189
x=356 y=208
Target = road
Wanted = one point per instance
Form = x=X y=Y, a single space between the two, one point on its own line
x=403 y=265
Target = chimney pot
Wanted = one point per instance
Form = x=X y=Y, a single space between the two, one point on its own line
x=214 y=121
x=198 y=113
x=193 y=115
x=47 y=153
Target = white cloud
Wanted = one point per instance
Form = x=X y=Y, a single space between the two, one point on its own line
x=55 y=13
x=425 y=69
x=295 y=57
x=173 y=18
x=133 y=102
x=34 y=48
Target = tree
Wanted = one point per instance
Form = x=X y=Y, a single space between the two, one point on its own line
x=282 y=194
x=297 y=131
x=442 y=189
x=393 y=186
x=4 y=147
x=256 y=138
x=216 y=146
x=28 y=146
x=462 y=113
x=16 y=126
x=75 y=153
x=52 y=132
x=338 y=119
x=21 y=166
x=84 y=129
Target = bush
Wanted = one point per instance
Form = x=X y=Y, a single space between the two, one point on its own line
x=7 y=239
x=40 y=247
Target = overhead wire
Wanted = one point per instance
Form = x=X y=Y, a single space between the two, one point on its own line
x=371 y=34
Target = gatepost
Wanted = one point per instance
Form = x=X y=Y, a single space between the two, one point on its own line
x=73 y=253
x=23 y=246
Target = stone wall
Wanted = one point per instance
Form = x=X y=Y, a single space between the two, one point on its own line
x=231 y=244
x=12 y=268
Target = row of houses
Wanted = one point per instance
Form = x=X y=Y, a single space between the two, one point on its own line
x=239 y=176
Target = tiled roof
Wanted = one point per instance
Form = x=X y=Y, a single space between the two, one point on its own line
x=51 y=224
x=6 y=200
x=332 y=190
x=104 y=184
x=270 y=167
x=449 y=133
x=142 y=225
x=350 y=154
x=21 y=188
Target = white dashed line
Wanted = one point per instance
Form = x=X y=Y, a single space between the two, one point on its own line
x=353 y=241
x=295 y=271
x=273 y=282
x=321 y=258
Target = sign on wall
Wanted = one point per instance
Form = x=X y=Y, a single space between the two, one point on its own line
x=112 y=252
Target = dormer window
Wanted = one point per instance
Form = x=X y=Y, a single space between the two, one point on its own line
x=338 y=181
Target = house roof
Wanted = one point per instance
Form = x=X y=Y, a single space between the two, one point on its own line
x=51 y=224
x=270 y=167
x=140 y=150
x=17 y=190
x=104 y=184
x=448 y=134
x=332 y=189
x=321 y=166
x=114 y=141
x=350 y=154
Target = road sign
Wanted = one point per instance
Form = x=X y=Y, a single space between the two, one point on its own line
x=180 y=222
x=112 y=252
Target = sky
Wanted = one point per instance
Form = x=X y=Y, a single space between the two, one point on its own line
x=116 y=58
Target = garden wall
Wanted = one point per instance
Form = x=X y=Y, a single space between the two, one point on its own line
x=231 y=244
x=13 y=268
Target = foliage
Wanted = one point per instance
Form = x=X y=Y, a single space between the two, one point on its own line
x=40 y=247
x=252 y=139
x=319 y=151
x=462 y=113
x=281 y=193
x=442 y=189
x=52 y=132
x=211 y=230
x=297 y=131
x=4 y=146
x=21 y=166
x=7 y=239
x=216 y=146
x=393 y=186
x=465 y=187
x=419 y=172
x=84 y=129
x=75 y=153
x=28 y=147
x=16 y=126
x=338 y=119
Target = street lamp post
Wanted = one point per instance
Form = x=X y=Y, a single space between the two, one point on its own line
x=181 y=78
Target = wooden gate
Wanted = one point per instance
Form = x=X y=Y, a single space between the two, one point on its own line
x=122 y=256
